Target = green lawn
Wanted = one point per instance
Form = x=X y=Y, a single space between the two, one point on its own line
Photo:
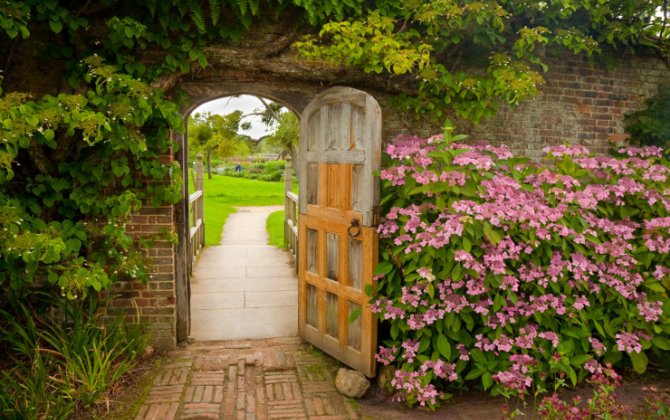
x=223 y=194
x=275 y=228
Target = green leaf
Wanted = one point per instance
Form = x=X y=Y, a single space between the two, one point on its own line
x=383 y=268
x=355 y=314
x=661 y=342
x=639 y=361
x=492 y=235
x=467 y=245
x=580 y=359
x=655 y=286
x=474 y=374
x=487 y=380
x=573 y=376
x=56 y=26
x=443 y=346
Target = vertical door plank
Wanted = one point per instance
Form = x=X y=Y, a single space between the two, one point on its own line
x=332 y=256
x=355 y=263
x=354 y=327
x=323 y=192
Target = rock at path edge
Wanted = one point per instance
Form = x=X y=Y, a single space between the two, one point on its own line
x=351 y=383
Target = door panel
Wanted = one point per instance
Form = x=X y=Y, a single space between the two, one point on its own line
x=340 y=151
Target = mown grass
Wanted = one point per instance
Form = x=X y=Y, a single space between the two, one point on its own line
x=275 y=227
x=223 y=194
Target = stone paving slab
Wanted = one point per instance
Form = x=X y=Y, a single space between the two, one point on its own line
x=240 y=323
x=244 y=288
x=276 y=378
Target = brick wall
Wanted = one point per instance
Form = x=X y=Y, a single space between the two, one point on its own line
x=578 y=104
x=155 y=301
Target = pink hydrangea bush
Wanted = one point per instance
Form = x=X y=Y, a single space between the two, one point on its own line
x=507 y=274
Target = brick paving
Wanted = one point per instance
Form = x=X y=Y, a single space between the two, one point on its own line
x=276 y=378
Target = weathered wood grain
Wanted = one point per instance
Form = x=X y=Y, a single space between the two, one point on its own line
x=340 y=157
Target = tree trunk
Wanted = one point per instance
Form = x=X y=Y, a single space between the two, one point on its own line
x=293 y=151
x=209 y=165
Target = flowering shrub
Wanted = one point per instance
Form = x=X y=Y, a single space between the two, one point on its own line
x=502 y=272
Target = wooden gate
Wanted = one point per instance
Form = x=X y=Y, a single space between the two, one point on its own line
x=340 y=151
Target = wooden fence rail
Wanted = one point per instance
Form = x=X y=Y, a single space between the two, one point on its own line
x=196 y=210
x=290 y=214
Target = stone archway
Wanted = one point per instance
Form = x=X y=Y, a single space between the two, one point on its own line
x=294 y=97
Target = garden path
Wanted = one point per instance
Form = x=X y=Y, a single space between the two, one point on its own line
x=244 y=288
x=244 y=291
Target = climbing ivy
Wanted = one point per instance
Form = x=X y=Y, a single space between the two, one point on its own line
x=77 y=163
x=467 y=57
x=73 y=169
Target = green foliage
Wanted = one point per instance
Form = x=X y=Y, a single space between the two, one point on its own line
x=65 y=357
x=217 y=136
x=319 y=11
x=275 y=228
x=651 y=126
x=65 y=215
x=14 y=18
x=271 y=171
x=467 y=56
x=287 y=129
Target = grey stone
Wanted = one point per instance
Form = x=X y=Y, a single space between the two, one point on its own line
x=385 y=375
x=351 y=383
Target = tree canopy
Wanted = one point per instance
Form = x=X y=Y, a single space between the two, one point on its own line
x=213 y=134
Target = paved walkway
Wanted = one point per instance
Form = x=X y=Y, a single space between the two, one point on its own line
x=278 y=378
x=244 y=289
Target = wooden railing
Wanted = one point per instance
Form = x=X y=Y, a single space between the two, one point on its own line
x=196 y=210
x=290 y=214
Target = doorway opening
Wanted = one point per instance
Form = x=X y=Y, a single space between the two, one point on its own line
x=243 y=285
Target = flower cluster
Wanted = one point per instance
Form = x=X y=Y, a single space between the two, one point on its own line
x=513 y=274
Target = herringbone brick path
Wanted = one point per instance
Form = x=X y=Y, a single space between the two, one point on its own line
x=277 y=378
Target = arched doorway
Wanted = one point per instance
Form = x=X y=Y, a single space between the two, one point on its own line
x=229 y=298
x=340 y=144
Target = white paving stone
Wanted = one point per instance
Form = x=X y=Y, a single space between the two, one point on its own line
x=244 y=288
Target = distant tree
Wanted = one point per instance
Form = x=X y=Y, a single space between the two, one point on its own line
x=213 y=134
x=286 y=128
x=286 y=134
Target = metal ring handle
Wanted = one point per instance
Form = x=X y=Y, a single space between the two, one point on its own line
x=354 y=229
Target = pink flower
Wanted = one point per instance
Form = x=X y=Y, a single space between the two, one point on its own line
x=558 y=151
x=442 y=370
x=649 y=151
x=661 y=272
x=426 y=273
x=464 y=354
x=581 y=302
x=650 y=311
x=385 y=355
x=598 y=347
x=411 y=348
x=551 y=336
x=628 y=342
x=474 y=158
